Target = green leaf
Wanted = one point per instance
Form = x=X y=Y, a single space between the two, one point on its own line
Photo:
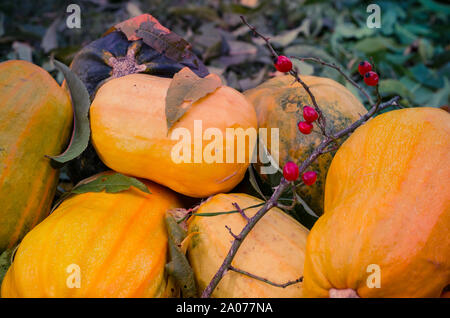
x=5 y=262
x=287 y=37
x=426 y=50
x=179 y=267
x=426 y=76
x=348 y=30
x=303 y=68
x=310 y=51
x=112 y=183
x=394 y=87
x=375 y=44
x=80 y=104
x=185 y=89
x=435 y=6
x=254 y=183
x=175 y=231
x=441 y=97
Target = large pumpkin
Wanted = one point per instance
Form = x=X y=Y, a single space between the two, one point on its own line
x=274 y=249
x=110 y=244
x=279 y=102
x=129 y=133
x=387 y=211
x=35 y=121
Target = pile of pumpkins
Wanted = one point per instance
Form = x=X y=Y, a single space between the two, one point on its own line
x=384 y=197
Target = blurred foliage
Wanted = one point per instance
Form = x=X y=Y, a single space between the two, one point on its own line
x=410 y=50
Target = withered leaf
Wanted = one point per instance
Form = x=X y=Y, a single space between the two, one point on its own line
x=186 y=88
x=158 y=37
x=179 y=267
x=130 y=26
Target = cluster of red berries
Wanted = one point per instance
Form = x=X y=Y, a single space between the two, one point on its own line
x=310 y=115
x=290 y=173
x=290 y=169
x=370 y=77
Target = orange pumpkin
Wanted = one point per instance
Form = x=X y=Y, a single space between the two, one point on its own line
x=385 y=230
x=35 y=121
x=274 y=249
x=97 y=244
x=130 y=135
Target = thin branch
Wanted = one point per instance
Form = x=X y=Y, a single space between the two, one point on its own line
x=256 y=33
x=323 y=147
x=236 y=237
x=321 y=120
x=241 y=212
x=237 y=243
x=337 y=68
x=294 y=200
x=281 y=188
x=284 y=285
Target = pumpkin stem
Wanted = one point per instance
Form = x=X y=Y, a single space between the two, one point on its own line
x=127 y=64
x=343 y=293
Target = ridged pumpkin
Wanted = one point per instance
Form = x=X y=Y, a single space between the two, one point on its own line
x=117 y=240
x=279 y=102
x=274 y=249
x=130 y=135
x=387 y=202
x=35 y=120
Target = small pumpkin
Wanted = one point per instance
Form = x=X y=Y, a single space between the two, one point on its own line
x=130 y=134
x=274 y=249
x=387 y=211
x=115 y=244
x=279 y=102
x=35 y=121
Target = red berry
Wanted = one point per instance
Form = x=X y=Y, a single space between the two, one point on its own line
x=283 y=64
x=305 y=127
x=309 y=177
x=310 y=114
x=371 y=78
x=364 y=67
x=290 y=171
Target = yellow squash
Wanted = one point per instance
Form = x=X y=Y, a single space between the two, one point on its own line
x=274 y=249
x=385 y=230
x=129 y=132
x=97 y=245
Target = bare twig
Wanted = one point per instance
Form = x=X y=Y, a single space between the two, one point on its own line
x=237 y=243
x=241 y=212
x=337 y=68
x=284 y=285
x=256 y=33
x=292 y=205
x=321 y=120
x=236 y=237
x=322 y=148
